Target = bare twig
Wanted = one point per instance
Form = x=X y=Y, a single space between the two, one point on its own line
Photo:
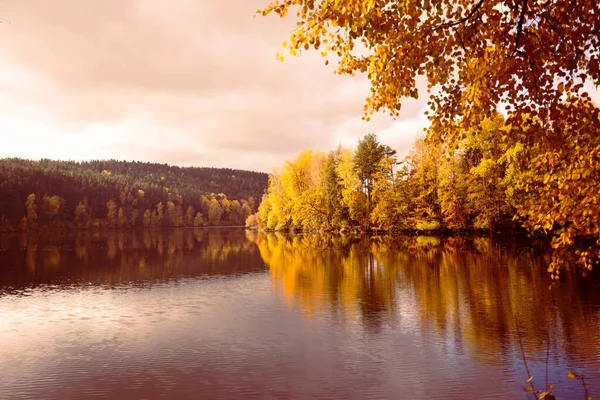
x=524 y=357
x=547 y=351
x=584 y=387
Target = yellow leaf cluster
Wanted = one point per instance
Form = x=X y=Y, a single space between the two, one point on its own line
x=481 y=56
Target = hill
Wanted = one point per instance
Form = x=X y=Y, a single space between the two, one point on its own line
x=124 y=194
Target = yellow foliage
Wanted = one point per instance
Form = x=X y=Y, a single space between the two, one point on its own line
x=480 y=56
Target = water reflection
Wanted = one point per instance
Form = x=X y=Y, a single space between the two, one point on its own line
x=484 y=297
x=290 y=316
x=112 y=258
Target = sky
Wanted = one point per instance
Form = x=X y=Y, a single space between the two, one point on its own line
x=183 y=82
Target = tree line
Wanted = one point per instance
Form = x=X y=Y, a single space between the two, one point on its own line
x=119 y=194
x=484 y=183
x=431 y=189
x=535 y=61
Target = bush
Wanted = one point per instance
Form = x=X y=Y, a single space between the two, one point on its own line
x=428 y=225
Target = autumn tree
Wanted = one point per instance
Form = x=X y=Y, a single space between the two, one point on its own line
x=174 y=214
x=82 y=216
x=134 y=217
x=367 y=161
x=154 y=219
x=214 y=212
x=121 y=218
x=452 y=190
x=112 y=213
x=318 y=191
x=204 y=204
x=179 y=215
x=424 y=174
x=393 y=197
x=517 y=48
x=302 y=182
x=484 y=152
x=251 y=203
x=294 y=198
x=123 y=194
x=159 y=215
x=263 y=214
x=50 y=207
x=246 y=211
x=531 y=59
x=466 y=185
x=198 y=220
x=31 y=210
x=189 y=216
x=251 y=221
x=147 y=219
x=226 y=207
x=352 y=194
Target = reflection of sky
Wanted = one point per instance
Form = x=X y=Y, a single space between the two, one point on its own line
x=407 y=310
x=218 y=334
x=102 y=327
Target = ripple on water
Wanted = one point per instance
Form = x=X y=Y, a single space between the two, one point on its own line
x=314 y=325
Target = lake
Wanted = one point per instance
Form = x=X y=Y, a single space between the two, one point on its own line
x=226 y=313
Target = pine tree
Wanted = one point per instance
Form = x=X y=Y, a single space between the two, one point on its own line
x=332 y=194
x=367 y=161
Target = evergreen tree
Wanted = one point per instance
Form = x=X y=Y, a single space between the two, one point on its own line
x=367 y=161
x=332 y=194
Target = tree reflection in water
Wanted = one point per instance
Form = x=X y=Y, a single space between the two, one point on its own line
x=466 y=296
x=112 y=258
x=478 y=295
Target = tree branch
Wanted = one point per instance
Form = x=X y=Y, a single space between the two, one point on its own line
x=520 y=27
x=316 y=209
x=533 y=73
x=462 y=20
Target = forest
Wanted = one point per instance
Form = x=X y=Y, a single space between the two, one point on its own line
x=368 y=188
x=49 y=194
x=481 y=185
x=535 y=62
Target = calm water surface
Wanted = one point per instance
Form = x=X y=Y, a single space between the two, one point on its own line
x=192 y=314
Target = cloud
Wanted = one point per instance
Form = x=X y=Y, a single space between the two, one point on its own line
x=187 y=82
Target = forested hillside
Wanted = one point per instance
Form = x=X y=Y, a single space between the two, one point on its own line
x=123 y=194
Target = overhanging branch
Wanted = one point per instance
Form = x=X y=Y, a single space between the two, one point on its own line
x=520 y=27
x=462 y=20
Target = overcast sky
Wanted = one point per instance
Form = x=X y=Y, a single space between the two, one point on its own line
x=185 y=82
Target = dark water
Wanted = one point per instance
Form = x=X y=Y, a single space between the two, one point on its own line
x=197 y=314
